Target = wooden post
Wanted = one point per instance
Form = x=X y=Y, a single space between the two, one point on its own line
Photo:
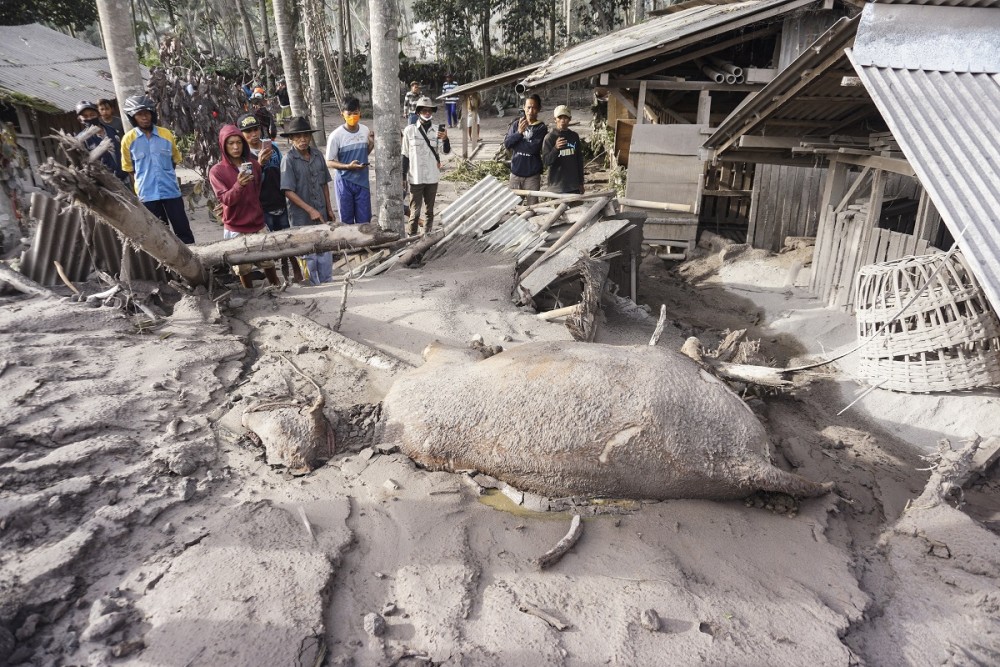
x=640 y=116
x=467 y=103
x=704 y=108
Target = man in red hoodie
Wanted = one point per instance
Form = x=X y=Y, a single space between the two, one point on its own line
x=236 y=180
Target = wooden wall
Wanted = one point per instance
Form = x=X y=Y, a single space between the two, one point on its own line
x=786 y=202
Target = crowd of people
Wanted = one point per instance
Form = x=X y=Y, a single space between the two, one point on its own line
x=260 y=189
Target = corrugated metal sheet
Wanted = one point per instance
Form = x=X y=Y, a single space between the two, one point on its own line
x=81 y=244
x=510 y=76
x=654 y=37
x=923 y=37
x=53 y=68
x=943 y=3
x=947 y=124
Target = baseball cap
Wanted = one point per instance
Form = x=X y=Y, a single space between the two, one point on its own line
x=562 y=110
x=247 y=122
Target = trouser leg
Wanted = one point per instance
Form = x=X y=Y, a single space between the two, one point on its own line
x=430 y=194
x=174 y=209
x=416 y=200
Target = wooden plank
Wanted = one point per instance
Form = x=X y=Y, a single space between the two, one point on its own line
x=851 y=191
x=687 y=85
x=822 y=250
x=923 y=247
x=836 y=241
x=640 y=117
x=896 y=241
x=704 y=107
x=849 y=267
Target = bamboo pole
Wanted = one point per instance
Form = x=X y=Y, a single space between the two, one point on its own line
x=291 y=243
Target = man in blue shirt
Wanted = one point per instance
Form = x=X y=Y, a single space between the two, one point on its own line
x=347 y=151
x=150 y=153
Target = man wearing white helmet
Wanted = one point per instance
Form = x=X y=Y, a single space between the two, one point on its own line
x=150 y=153
x=422 y=163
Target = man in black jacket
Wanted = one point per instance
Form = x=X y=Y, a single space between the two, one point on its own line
x=561 y=154
x=524 y=139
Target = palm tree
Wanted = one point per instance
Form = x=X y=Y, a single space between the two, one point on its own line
x=384 y=21
x=286 y=43
x=119 y=41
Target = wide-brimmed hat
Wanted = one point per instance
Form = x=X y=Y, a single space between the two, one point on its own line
x=247 y=122
x=562 y=110
x=296 y=125
x=414 y=83
x=425 y=103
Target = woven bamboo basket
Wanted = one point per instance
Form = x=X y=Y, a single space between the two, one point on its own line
x=947 y=340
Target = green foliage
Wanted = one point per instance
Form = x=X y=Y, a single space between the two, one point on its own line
x=473 y=172
x=75 y=14
x=527 y=29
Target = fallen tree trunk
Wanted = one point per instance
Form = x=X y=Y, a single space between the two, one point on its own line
x=413 y=254
x=22 y=283
x=95 y=188
x=290 y=243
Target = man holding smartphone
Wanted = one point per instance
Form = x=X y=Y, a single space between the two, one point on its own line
x=422 y=163
x=561 y=154
x=524 y=140
x=347 y=151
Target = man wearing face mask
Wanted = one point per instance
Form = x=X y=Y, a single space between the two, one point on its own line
x=524 y=139
x=347 y=151
x=88 y=115
x=422 y=163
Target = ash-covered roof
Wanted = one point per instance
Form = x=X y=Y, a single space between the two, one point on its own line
x=47 y=70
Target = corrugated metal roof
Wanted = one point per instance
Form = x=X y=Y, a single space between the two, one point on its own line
x=55 y=69
x=941 y=39
x=656 y=36
x=943 y=3
x=947 y=124
x=510 y=76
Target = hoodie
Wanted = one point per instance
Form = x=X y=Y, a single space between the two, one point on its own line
x=241 y=209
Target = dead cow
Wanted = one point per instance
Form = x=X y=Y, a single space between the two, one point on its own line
x=583 y=419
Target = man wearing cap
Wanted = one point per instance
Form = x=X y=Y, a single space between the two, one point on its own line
x=258 y=107
x=561 y=154
x=410 y=102
x=422 y=163
x=524 y=140
x=272 y=199
x=347 y=151
x=304 y=179
x=89 y=116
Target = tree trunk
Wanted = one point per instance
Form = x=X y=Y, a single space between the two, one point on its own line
x=251 y=43
x=119 y=41
x=384 y=19
x=341 y=37
x=266 y=31
x=286 y=43
x=291 y=243
x=485 y=29
x=315 y=98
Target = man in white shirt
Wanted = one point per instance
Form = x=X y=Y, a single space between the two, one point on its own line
x=422 y=163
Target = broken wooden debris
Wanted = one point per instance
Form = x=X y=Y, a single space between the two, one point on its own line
x=348 y=347
x=747 y=373
x=415 y=252
x=544 y=615
x=23 y=284
x=582 y=324
x=660 y=323
x=566 y=311
x=552 y=556
x=950 y=469
x=592 y=213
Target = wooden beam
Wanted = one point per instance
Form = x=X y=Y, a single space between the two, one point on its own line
x=674 y=115
x=625 y=102
x=893 y=164
x=708 y=50
x=851 y=191
x=765 y=157
x=753 y=141
x=687 y=85
x=704 y=107
x=641 y=105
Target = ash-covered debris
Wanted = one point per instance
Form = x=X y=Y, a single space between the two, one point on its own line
x=357 y=427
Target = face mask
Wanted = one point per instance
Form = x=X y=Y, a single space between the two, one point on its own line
x=426 y=117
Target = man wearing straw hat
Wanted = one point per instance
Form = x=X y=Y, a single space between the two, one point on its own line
x=304 y=179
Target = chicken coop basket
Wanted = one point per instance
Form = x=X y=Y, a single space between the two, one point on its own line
x=948 y=339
